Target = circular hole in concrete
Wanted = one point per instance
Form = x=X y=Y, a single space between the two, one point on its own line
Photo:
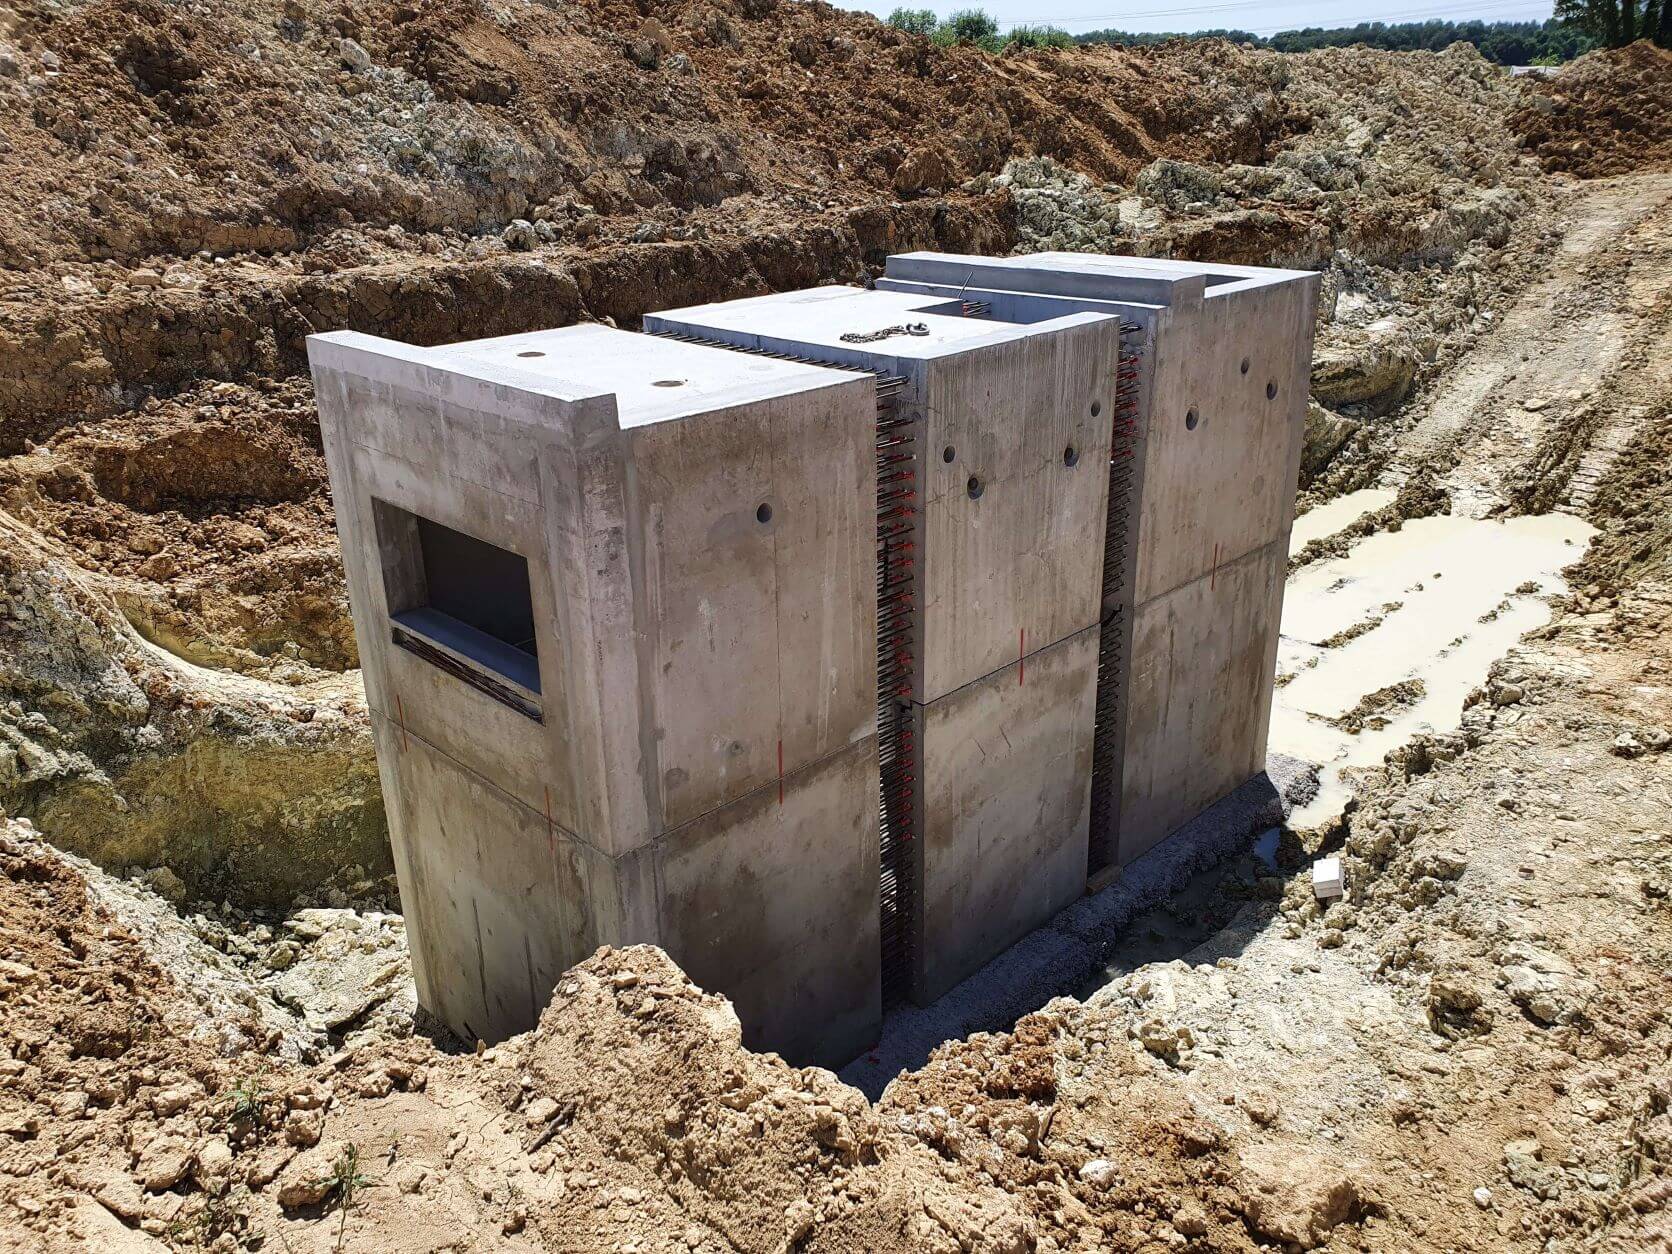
x=1191 y=419
x=763 y=512
x=1071 y=456
x=1244 y=366
x=668 y=383
x=1271 y=391
x=1096 y=408
x=531 y=353
x=975 y=488
x=948 y=453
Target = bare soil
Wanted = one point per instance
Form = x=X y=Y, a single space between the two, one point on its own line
x=208 y=1039
x=1609 y=112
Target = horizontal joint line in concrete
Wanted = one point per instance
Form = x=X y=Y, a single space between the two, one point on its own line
x=1213 y=571
x=659 y=838
x=1020 y=660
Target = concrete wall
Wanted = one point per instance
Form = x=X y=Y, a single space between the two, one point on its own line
x=1226 y=486
x=1212 y=550
x=1008 y=569
x=774 y=903
x=771 y=902
x=706 y=669
x=1199 y=696
x=1218 y=461
x=1006 y=789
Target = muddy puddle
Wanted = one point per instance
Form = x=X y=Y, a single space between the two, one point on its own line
x=1388 y=640
x=1337 y=514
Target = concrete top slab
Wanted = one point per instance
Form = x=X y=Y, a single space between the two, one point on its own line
x=1028 y=308
x=1141 y=280
x=652 y=379
x=1218 y=278
x=821 y=316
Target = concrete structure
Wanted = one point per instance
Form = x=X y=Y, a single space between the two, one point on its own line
x=832 y=640
x=1213 y=436
x=616 y=607
x=1011 y=428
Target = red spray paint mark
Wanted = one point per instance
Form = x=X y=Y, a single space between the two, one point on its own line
x=780 y=771
x=400 y=713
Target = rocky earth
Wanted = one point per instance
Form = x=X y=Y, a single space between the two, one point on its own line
x=1473 y=1052
x=188 y=193
x=209 y=1039
x=1607 y=113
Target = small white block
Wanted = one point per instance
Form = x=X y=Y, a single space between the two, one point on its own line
x=1327 y=879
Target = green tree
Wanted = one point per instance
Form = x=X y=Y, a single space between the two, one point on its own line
x=1038 y=37
x=1504 y=43
x=914 y=21
x=972 y=26
x=1615 y=23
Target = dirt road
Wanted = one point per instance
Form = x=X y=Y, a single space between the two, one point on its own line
x=1514 y=411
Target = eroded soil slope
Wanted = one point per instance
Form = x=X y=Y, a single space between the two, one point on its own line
x=186 y=194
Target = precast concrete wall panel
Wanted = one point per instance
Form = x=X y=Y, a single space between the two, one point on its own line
x=1200 y=695
x=773 y=901
x=1221 y=405
x=1226 y=424
x=1006 y=563
x=1006 y=792
x=497 y=901
x=700 y=555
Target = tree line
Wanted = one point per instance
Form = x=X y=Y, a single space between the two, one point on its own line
x=977 y=27
x=1500 y=42
x=1579 y=26
x=1505 y=43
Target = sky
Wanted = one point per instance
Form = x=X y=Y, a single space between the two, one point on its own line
x=1262 y=17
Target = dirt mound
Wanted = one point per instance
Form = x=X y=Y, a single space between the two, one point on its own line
x=1609 y=112
x=630 y=1118
x=265 y=127
x=192 y=194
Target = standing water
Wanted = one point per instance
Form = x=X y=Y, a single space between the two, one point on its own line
x=1388 y=640
x=1333 y=516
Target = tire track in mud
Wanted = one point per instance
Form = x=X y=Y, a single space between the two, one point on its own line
x=1520 y=409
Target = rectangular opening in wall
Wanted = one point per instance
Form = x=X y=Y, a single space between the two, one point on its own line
x=460 y=603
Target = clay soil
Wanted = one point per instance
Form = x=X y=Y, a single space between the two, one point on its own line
x=207 y=1037
x=1607 y=113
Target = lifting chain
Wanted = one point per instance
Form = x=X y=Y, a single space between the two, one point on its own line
x=871 y=337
